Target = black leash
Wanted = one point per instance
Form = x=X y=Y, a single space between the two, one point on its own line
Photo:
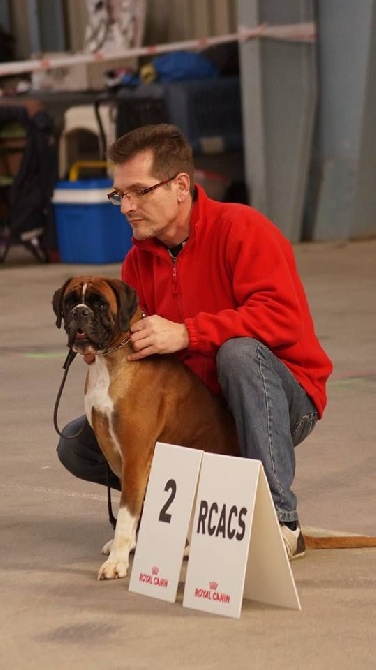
x=67 y=363
x=111 y=516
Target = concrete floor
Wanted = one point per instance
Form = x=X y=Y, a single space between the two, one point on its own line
x=53 y=612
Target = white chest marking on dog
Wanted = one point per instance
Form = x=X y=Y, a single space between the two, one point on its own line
x=97 y=395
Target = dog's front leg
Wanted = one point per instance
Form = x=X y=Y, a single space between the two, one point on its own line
x=116 y=566
x=134 y=478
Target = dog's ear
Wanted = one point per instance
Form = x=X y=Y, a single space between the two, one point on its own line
x=127 y=302
x=57 y=302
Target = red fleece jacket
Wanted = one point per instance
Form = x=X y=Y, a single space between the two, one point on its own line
x=235 y=277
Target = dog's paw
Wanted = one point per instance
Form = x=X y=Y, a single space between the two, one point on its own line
x=106 y=550
x=113 y=570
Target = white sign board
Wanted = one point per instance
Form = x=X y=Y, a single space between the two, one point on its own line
x=234 y=526
x=165 y=521
x=269 y=577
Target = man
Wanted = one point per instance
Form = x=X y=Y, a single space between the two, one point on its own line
x=219 y=286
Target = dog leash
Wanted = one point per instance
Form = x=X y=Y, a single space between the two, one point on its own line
x=67 y=363
x=111 y=516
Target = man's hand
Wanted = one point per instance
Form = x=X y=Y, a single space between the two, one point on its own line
x=155 y=335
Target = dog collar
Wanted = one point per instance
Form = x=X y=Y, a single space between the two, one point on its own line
x=121 y=344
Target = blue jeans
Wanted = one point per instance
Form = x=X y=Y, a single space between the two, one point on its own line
x=271 y=410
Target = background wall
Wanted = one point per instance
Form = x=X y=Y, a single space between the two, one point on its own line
x=321 y=192
x=167 y=20
x=59 y=25
x=343 y=194
x=185 y=19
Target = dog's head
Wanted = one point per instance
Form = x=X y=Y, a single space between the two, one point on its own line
x=95 y=310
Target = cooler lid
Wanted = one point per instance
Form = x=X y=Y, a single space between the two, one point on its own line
x=82 y=191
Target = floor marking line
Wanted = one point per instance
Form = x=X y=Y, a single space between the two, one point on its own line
x=50 y=491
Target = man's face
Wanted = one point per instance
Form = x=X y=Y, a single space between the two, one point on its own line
x=152 y=214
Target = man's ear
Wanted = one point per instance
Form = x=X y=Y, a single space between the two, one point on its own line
x=184 y=186
x=57 y=302
x=127 y=301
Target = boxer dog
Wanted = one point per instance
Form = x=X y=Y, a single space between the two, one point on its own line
x=133 y=404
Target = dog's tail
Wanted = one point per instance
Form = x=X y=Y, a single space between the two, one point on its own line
x=339 y=542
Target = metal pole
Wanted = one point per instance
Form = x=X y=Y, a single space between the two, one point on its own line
x=33 y=15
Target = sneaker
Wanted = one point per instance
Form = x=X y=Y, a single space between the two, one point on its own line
x=294 y=541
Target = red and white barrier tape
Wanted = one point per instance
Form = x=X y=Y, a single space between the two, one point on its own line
x=296 y=32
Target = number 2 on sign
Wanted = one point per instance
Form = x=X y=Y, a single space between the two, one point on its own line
x=164 y=516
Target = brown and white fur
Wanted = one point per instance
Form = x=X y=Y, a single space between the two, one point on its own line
x=132 y=405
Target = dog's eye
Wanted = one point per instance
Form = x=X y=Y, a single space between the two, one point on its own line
x=70 y=301
x=98 y=301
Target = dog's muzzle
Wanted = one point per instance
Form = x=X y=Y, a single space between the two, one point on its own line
x=79 y=326
x=86 y=331
x=81 y=312
x=81 y=318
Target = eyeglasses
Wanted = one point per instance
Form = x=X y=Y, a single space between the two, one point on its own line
x=115 y=197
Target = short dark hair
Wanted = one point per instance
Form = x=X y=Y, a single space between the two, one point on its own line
x=171 y=151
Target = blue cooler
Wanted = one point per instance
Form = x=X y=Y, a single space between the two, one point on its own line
x=89 y=228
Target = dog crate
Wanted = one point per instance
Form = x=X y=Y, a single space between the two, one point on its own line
x=136 y=111
x=207 y=111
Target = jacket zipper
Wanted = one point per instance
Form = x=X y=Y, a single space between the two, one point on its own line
x=175 y=288
x=174 y=279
